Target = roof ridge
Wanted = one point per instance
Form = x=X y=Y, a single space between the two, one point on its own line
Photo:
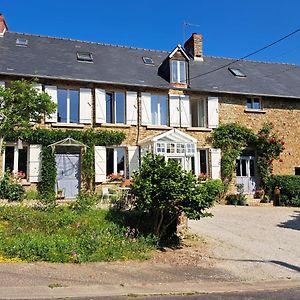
x=251 y=60
x=87 y=42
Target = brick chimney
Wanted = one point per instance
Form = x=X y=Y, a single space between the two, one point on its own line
x=193 y=47
x=3 y=26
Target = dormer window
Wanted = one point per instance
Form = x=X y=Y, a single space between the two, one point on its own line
x=178 y=71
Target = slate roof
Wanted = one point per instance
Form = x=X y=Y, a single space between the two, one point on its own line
x=49 y=57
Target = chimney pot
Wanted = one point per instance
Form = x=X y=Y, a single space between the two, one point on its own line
x=193 y=46
x=3 y=25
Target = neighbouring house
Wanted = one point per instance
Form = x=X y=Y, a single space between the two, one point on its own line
x=166 y=102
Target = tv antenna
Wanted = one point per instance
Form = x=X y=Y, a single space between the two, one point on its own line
x=185 y=25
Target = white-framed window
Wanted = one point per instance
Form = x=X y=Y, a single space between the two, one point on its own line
x=159 y=109
x=203 y=161
x=67 y=106
x=199 y=113
x=178 y=71
x=116 y=161
x=16 y=160
x=115 y=107
x=254 y=103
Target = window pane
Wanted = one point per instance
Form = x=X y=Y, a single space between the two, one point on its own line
x=182 y=72
x=109 y=161
x=120 y=107
x=203 y=162
x=170 y=148
x=297 y=171
x=251 y=162
x=163 y=110
x=22 y=164
x=154 y=109
x=244 y=167
x=9 y=158
x=121 y=160
x=256 y=103
x=238 y=167
x=174 y=71
x=62 y=105
x=74 y=106
x=201 y=114
x=109 y=104
x=249 y=103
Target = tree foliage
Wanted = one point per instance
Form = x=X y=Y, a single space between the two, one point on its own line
x=165 y=190
x=20 y=104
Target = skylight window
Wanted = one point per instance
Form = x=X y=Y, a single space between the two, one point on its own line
x=85 y=56
x=21 y=42
x=148 y=60
x=237 y=72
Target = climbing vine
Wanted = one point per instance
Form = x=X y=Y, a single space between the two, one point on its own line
x=46 y=137
x=233 y=138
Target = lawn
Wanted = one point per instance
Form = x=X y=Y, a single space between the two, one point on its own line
x=65 y=235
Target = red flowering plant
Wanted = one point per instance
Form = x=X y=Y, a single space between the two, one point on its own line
x=115 y=177
x=269 y=147
x=202 y=176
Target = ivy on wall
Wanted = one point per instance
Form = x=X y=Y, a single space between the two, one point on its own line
x=46 y=137
x=233 y=138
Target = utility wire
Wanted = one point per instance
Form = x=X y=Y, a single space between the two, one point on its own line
x=248 y=55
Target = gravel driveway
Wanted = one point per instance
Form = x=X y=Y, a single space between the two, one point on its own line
x=254 y=243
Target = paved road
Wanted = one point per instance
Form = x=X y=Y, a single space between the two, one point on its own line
x=254 y=243
x=291 y=294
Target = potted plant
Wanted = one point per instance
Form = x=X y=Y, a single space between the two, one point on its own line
x=60 y=194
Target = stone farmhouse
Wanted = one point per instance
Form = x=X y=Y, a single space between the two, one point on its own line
x=167 y=102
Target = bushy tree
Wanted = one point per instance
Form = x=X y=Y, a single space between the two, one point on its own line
x=165 y=190
x=20 y=105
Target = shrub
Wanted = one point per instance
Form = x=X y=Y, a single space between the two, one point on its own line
x=165 y=190
x=85 y=201
x=236 y=199
x=9 y=189
x=289 y=188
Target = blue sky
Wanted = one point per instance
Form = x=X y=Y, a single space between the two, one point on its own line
x=230 y=28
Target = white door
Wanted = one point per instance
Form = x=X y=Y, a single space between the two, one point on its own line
x=245 y=173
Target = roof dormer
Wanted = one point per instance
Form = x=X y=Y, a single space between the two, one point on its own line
x=175 y=68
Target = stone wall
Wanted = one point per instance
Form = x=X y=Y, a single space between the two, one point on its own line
x=283 y=113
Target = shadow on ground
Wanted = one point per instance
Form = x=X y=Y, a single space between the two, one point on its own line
x=294 y=223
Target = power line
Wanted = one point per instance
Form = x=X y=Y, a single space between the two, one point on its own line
x=248 y=55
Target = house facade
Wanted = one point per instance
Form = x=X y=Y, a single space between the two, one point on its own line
x=166 y=102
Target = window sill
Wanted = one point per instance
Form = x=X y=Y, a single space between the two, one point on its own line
x=256 y=111
x=73 y=125
x=25 y=183
x=162 y=127
x=204 y=129
x=115 y=125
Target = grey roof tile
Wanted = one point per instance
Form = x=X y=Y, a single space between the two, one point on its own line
x=56 y=58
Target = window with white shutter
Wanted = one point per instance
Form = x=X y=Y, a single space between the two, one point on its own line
x=52 y=92
x=133 y=159
x=100 y=164
x=35 y=162
x=215 y=156
x=185 y=112
x=146 y=108
x=100 y=106
x=85 y=105
x=174 y=108
x=131 y=108
x=213 y=112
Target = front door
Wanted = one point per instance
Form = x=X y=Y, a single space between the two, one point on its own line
x=245 y=173
x=68 y=173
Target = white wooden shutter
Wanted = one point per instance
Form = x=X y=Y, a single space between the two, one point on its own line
x=213 y=112
x=133 y=159
x=38 y=87
x=131 y=108
x=146 y=109
x=85 y=106
x=215 y=157
x=52 y=92
x=35 y=162
x=2 y=83
x=100 y=164
x=100 y=102
x=185 y=111
x=174 y=110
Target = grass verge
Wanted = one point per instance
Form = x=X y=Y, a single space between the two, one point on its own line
x=65 y=235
